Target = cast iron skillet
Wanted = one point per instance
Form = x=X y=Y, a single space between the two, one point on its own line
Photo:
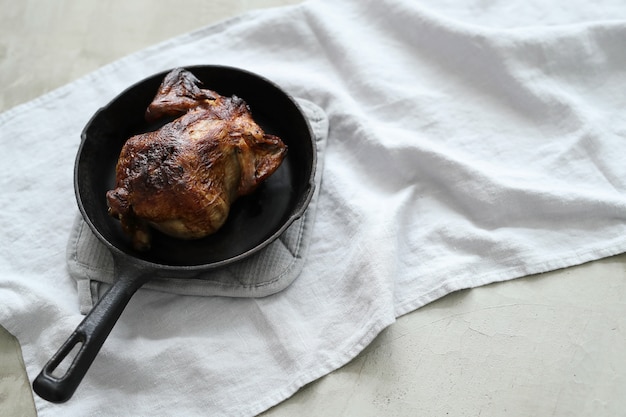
x=253 y=223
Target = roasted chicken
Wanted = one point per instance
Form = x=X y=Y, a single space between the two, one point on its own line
x=182 y=178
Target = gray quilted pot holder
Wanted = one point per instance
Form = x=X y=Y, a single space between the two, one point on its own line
x=269 y=271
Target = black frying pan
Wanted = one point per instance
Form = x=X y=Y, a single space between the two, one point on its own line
x=253 y=223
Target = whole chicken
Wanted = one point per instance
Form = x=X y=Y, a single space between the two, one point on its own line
x=182 y=178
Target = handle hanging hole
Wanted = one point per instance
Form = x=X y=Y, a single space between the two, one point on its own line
x=60 y=369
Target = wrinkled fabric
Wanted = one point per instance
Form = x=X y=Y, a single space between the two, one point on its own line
x=469 y=142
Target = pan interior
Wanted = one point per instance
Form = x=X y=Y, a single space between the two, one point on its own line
x=254 y=221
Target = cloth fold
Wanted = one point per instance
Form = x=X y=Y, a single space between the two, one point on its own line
x=469 y=142
x=272 y=270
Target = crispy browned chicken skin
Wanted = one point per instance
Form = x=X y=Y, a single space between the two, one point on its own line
x=183 y=178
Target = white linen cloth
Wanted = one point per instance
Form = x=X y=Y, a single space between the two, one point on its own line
x=469 y=142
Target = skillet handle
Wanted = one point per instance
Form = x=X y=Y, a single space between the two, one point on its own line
x=90 y=334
